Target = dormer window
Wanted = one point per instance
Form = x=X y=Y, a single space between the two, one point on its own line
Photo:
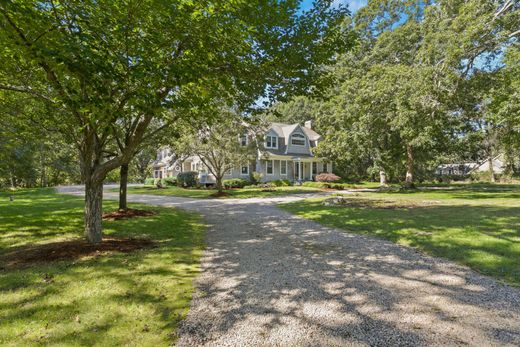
x=271 y=141
x=244 y=140
x=297 y=140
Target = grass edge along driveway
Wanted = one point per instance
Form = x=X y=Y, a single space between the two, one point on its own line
x=480 y=229
x=116 y=299
x=242 y=193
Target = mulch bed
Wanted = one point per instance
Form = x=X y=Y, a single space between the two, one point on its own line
x=70 y=250
x=128 y=213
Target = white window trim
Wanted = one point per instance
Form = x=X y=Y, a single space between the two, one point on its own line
x=272 y=163
x=272 y=137
x=247 y=139
x=242 y=173
x=283 y=174
x=304 y=140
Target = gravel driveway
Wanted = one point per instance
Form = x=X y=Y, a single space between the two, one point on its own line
x=272 y=279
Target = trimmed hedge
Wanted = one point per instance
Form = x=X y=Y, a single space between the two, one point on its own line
x=235 y=183
x=187 y=179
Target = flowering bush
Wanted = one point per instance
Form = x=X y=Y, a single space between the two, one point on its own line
x=327 y=177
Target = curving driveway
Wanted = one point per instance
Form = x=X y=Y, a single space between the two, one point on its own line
x=272 y=279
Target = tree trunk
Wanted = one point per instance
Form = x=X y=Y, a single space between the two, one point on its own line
x=123 y=186
x=93 y=210
x=218 y=182
x=409 y=167
x=382 y=178
x=491 y=169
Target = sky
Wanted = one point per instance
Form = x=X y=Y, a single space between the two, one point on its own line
x=353 y=5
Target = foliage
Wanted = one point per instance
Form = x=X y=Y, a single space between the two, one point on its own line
x=235 y=183
x=256 y=177
x=149 y=181
x=412 y=88
x=187 y=179
x=281 y=183
x=169 y=182
x=218 y=145
x=108 y=71
x=327 y=177
x=115 y=292
x=320 y=185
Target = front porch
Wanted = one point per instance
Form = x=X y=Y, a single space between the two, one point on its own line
x=292 y=169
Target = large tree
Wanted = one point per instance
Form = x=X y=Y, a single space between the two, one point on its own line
x=101 y=65
x=404 y=91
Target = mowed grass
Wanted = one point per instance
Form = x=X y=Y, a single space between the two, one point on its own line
x=476 y=227
x=242 y=193
x=134 y=299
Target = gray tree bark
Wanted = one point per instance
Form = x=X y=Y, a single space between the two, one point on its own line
x=123 y=186
x=93 y=210
x=409 y=167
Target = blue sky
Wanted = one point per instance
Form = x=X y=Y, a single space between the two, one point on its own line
x=353 y=5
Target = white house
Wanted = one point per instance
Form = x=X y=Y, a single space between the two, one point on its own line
x=287 y=153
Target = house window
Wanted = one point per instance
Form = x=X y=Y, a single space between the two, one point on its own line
x=283 y=167
x=314 y=168
x=325 y=168
x=244 y=140
x=244 y=170
x=269 y=167
x=271 y=142
x=297 y=140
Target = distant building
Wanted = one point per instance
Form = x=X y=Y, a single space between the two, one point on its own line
x=465 y=169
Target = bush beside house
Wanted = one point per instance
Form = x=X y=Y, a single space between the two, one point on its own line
x=187 y=179
x=235 y=183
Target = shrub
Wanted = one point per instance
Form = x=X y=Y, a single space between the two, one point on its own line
x=187 y=179
x=157 y=182
x=281 y=183
x=168 y=181
x=235 y=183
x=256 y=177
x=320 y=185
x=338 y=186
x=327 y=177
x=149 y=181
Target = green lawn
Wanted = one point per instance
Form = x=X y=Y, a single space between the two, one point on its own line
x=476 y=227
x=206 y=193
x=134 y=299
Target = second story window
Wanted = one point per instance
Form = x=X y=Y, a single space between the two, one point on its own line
x=244 y=141
x=297 y=140
x=271 y=141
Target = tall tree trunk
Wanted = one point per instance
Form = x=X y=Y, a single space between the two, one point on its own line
x=382 y=178
x=93 y=210
x=409 y=167
x=218 y=181
x=492 y=177
x=123 y=186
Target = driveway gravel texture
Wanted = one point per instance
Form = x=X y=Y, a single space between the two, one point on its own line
x=273 y=279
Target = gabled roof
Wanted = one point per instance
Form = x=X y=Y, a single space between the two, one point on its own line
x=284 y=130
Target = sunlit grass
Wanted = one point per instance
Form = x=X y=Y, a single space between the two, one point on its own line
x=478 y=228
x=119 y=299
x=206 y=193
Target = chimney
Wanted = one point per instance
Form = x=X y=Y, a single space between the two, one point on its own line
x=308 y=124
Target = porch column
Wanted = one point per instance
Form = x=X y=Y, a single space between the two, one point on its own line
x=300 y=168
x=310 y=169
